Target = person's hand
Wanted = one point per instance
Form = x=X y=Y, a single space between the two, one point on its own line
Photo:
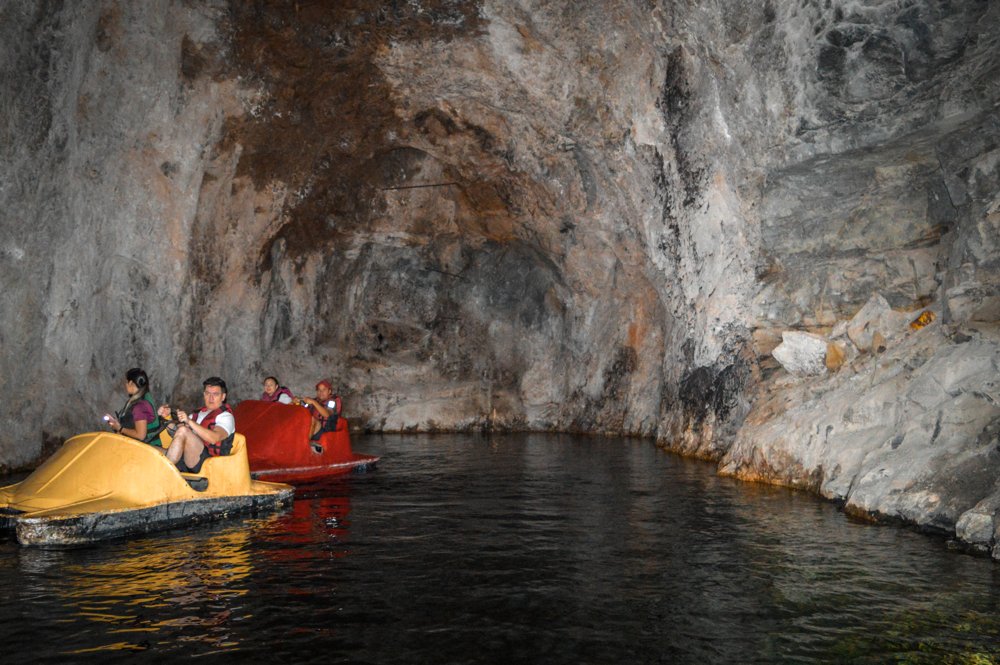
x=182 y=417
x=113 y=423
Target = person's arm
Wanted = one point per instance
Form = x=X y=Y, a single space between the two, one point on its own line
x=284 y=398
x=320 y=408
x=139 y=432
x=113 y=423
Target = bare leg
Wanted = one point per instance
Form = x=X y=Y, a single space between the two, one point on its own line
x=185 y=444
x=192 y=450
x=177 y=445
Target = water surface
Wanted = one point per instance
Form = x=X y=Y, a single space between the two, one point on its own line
x=512 y=549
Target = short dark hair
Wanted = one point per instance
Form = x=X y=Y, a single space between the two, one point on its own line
x=215 y=381
x=272 y=378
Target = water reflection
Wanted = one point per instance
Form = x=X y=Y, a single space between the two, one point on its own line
x=149 y=590
x=516 y=549
x=317 y=525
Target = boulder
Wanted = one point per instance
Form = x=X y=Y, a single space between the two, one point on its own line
x=875 y=317
x=802 y=354
x=975 y=529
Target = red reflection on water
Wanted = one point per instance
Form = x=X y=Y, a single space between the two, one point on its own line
x=320 y=515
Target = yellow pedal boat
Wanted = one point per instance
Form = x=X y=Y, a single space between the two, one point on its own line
x=101 y=485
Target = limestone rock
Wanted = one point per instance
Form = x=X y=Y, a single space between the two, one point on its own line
x=911 y=434
x=973 y=302
x=975 y=529
x=875 y=318
x=836 y=355
x=570 y=214
x=802 y=354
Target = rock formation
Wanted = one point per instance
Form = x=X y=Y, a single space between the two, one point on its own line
x=596 y=217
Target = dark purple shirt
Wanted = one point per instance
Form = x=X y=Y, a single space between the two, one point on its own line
x=143 y=411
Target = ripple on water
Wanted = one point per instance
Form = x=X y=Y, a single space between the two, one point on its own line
x=553 y=549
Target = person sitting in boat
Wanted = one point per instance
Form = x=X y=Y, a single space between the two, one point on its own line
x=207 y=433
x=273 y=392
x=325 y=409
x=137 y=419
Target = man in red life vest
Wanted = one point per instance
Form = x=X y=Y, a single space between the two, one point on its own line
x=207 y=433
x=325 y=409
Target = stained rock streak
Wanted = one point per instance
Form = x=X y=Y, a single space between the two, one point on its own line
x=534 y=215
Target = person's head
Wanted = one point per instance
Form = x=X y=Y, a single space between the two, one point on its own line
x=270 y=385
x=324 y=390
x=136 y=382
x=214 y=392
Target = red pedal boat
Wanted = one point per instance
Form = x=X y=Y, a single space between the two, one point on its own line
x=278 y=444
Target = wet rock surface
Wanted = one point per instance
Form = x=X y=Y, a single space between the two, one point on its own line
x=486 y=215
x=910 y=434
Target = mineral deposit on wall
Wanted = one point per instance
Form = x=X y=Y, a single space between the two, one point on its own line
x=576 y=216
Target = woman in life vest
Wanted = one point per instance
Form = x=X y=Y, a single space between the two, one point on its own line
x=325 y=409
x=273 y=392
x=206 y=433
x=137 y=419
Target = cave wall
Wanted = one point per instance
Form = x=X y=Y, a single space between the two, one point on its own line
x=888 y=187
x=414 y=200
x=480 y=215
x=103 y=141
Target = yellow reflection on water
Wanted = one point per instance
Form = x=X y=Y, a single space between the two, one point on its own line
x=157 y=590
x=168 y=572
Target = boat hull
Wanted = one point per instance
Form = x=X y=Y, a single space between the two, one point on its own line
x=101 y=485
x=278 y=445
x=361 y=464
x=90 y=528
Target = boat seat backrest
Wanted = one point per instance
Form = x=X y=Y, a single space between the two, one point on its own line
x=239 y=444
x=228 y=473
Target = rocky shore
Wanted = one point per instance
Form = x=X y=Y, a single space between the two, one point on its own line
x=908 y=430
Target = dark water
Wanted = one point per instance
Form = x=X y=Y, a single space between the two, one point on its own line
x=526 y=549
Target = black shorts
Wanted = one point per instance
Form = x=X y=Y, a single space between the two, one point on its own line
x=184 y=468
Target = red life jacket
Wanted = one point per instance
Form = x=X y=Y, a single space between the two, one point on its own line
x=264 y=397
x=335 y=411
x=223 y=447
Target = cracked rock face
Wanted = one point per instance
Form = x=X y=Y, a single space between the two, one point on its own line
x=492 y=215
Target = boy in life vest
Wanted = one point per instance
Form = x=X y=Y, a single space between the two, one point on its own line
x=207 y=433
x=325 y=410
